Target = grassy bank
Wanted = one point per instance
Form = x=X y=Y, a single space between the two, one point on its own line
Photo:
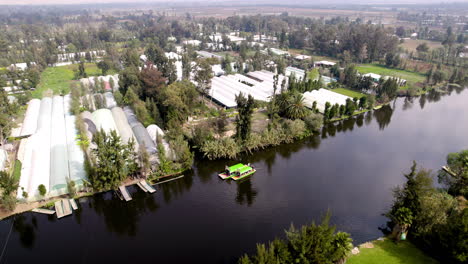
x=57 y=80
x=389 y=252
x=411 y=77
x=348 y=92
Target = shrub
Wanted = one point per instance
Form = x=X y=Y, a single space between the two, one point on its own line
x=313 y=122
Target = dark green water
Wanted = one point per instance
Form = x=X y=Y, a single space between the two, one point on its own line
x=350 y=169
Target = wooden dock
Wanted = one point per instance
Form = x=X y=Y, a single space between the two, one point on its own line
x=142 y=187
x=43 y=211
x=148 y=187
x=181 y=176
x=125 y=194
x=63 y=208
x=73 y=204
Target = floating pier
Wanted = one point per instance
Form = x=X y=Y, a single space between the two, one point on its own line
x=148 y=187
x=63 y=208
x=181 y=176
x=73 y=204
x=125 y=194
x=142 y=187
x=43 y=211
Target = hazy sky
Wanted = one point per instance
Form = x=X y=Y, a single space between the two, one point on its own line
x=41 y=2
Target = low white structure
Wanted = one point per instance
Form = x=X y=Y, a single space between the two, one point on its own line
x=30 y=118
x=279 y=52
x=324 y=63
x=373 y=76
x=205 y=54
x=3 y=159
x=104 y=120
x=302 y=57
x=110 y=100
x=322 y=96
x=298 y=73
x=259 y=85
x=192 y=42
x=106 y=79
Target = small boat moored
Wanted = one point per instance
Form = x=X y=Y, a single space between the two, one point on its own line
x=230 y=171
x=243 y=172
x=237 y=172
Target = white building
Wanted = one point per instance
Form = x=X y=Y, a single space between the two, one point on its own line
x=279 y=52
x=324 y=63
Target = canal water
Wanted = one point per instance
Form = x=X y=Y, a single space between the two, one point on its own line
x=349 y=169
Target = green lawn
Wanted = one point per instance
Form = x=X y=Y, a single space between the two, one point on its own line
x=388 y=252
x=411 y=77
x=348 y=92
x=58 y=79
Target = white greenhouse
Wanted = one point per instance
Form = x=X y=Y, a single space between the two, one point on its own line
x=30 y=118
x=322 y=96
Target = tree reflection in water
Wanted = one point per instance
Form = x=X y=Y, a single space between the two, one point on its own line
x=122 y=217
x=245 y=192
x=383 y=116
x=25 y=225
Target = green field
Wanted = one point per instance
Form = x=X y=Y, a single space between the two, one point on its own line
x=411 y=77
x=388 y=252
x=348 y=92
x=58 y=79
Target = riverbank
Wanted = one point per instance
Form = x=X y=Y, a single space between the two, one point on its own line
x=25 y=207
x=387 y=251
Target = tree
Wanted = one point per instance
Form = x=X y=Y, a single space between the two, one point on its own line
x=423 y=47
x=400 y=31
x=42 y=190
x=129 y=77
x=403 y=218
x=8 y=184
x=203 y=76
x=243 y=119
x=418 y=184
x=156 y=55
x=438 y=76
x=105 y=65
x=313 y=122
x=113 y=161
x=455 y=178
x=71 y=186
x=309 y=244
x=295 y=108
x=152 y=81
x=81 y=70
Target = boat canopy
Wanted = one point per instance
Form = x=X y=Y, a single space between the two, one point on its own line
x=235 y=167
x=245 y=169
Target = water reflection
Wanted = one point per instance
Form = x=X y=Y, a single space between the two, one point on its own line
x=245 y=192
x=25 y=225
x=122 y=217
x=383 y=116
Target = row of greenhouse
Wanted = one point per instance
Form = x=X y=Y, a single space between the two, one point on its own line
x=49 y=151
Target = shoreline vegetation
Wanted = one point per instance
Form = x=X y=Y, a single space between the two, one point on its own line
x=428 y=223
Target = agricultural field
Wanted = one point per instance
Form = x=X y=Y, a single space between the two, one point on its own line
x=348 y=92
x=389 y=252
x=411 y=77
x=57 y=80
x=411 y=44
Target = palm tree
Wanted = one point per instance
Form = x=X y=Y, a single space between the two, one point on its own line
x=296 y=108
x=342 y=244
